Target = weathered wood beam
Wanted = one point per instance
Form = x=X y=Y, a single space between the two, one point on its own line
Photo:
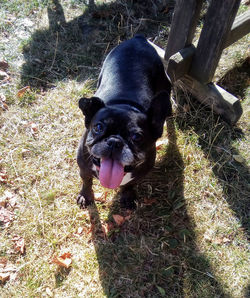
x=185 y=18
x=217 y=25
x=179 y=64
x=218 y=99
x=240 y=28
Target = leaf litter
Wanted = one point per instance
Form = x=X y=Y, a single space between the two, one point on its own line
x=7 y=270
x=65 y=260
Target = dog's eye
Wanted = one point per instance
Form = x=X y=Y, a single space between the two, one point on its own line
x=136 y=137
x=98 y=128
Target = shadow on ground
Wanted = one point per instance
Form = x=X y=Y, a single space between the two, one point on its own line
x=236 y=80
x=217 y=138
x=233 y=175
x=154 y=254
x=75 y=49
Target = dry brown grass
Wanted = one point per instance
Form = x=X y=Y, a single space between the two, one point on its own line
x=188 y=236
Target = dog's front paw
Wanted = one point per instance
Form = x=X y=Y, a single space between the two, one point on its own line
x=83 y=201
x=127 y=199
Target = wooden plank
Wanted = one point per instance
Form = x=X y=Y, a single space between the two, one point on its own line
x=179 y=63
x=240 y=28
x=217 y=25
x=185 y=18
x=219 y=100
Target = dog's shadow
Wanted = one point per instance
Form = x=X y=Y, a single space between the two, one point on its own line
x=154 y=253
x=218 y=140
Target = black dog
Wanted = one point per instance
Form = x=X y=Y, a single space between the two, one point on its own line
x=123 y=120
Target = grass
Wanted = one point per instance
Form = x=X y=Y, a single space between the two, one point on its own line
x=188 y=236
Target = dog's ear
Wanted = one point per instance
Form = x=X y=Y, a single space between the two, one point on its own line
x=159 y=110
x=90 y=106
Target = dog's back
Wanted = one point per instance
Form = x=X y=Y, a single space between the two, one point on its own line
x=132 y=71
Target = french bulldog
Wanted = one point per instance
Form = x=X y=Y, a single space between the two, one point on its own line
x=123 y=120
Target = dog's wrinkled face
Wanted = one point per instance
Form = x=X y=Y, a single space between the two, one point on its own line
x=117 y=139
x=120 y=136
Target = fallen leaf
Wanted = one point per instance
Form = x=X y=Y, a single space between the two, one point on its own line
x=4 y=276
x=7 y=271
x=162 y=291
x=219 y=149
x=25 y=153
x=49 y=292
x=66 y=255
x=91 y=229
x=222 y=240
x=207 y=237
x=127 y=217
x=102 y=14
x=4 y=76
x=3 y=202
x=19 y=244
x=119 y=220
x=166 y=9
x=4 y=65
x=100 y=197
x=63 y=260
x=107 y=228
x=3 y=262
x=9 y=268
x=149 y=202
x=186 y=108
x=238 y=158
x=160 y=143
x=226 y=240
x=37 y=60
x=217 y=241
x=128 y=212
x=8 y=199
x=3 y=177
x=34 y=127
x=79 y=230
x=3 y=104
x=6 y=216
x=82 y=230
x=22 y=91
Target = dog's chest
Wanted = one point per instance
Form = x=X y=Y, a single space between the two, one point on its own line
x=127 y=178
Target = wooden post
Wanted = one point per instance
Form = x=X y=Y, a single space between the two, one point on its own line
x=241 y=27
x=193 y=68
x=179 y=63
x=218 y=99
x=185 y=18
x=217 y=25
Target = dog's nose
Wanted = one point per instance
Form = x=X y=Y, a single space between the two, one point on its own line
x=114 y=143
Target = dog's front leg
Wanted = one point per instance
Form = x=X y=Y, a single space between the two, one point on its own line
x=128 y=197
x=86 y=196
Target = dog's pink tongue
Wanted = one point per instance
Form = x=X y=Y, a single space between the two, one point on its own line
x=111 y=173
